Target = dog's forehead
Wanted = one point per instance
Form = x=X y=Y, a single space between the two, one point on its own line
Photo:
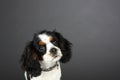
x=44 y=37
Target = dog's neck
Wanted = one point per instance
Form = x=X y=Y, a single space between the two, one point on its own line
x=53 y=74
x=49 y=67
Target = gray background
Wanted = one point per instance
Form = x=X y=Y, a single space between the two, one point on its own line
x=93 y=26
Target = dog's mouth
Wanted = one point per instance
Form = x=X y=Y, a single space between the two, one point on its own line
x=55 y=56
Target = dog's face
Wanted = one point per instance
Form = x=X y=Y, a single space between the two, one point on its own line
x=47 y=47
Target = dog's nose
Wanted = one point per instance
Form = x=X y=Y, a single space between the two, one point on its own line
x=53 y=50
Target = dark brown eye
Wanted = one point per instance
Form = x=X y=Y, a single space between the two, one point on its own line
x=42 y=48
x=54 y=42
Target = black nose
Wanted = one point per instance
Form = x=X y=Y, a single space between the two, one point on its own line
x=53 y=50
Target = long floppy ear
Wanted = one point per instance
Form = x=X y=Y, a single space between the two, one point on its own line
x=65 y=47
x=30 y=62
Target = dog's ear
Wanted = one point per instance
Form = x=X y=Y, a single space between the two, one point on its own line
x=65 y=47
x=30 y=61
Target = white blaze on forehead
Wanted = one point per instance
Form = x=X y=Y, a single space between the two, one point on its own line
x=44 y=38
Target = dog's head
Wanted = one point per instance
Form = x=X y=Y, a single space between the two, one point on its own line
x=46 y=47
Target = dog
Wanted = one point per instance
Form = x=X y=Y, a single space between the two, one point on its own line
x=43 y=54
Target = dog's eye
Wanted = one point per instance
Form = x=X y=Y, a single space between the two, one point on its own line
x=54 y=42
x=42 y=48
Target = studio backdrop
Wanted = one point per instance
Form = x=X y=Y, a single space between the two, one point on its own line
x=93 y=27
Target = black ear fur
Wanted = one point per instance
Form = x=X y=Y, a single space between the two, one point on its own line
x=30 y=64
x=65 y=47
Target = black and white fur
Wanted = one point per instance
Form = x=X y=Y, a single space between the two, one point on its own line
x=42 y=56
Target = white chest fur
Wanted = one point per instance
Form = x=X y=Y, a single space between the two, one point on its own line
x=54 y=74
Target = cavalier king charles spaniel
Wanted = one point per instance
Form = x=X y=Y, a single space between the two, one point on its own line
x=42 y=56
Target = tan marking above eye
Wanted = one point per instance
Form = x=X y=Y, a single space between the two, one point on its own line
x=41 y=43
x=51 y=38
